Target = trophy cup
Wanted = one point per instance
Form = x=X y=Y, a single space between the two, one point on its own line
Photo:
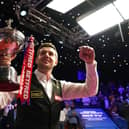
x=11 y=42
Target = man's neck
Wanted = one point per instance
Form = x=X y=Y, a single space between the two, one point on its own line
x=46 y=72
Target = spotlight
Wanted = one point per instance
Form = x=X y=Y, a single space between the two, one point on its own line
x=24 y=11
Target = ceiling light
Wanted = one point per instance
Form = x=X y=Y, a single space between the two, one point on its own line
x=64 y=5
x=101 y=20
x=123 y=7
x=24 y=11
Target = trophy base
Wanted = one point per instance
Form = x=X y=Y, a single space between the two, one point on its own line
x=6 y=86
x=8 y=79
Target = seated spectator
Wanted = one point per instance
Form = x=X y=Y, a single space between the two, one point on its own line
x=94 y=101
x=7 y=121
x=66 y=109
x=127 y=99
x=73 y=118
x=121 y=89
x=62 y=119
x=120 y=121
x=106 y=103
x=86 y=101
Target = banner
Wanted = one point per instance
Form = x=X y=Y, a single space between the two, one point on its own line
x=26 y=73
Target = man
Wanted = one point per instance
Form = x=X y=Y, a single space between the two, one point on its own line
x=73 y=118
x=47 y=93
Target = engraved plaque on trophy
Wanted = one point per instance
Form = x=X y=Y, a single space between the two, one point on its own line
x=11 y=42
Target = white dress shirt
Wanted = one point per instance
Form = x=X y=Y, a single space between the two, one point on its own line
x=47 y=84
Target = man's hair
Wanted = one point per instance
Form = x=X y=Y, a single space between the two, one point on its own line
x=47 y=44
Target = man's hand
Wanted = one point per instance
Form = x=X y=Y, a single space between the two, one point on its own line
x=87 y=54
x=5 y=99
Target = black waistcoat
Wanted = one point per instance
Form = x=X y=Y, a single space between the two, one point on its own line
x=42 y=113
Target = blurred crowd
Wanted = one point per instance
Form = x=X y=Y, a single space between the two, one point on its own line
x=112 y=98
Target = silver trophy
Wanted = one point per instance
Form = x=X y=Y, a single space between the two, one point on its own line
x=11 y=42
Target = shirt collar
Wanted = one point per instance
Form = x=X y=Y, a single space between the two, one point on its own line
x=42 y=76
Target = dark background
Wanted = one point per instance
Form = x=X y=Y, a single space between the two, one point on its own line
x=111 y=52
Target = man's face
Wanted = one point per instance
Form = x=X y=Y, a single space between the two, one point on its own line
x=47 y=58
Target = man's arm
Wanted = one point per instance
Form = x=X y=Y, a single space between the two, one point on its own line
x=6 y=98
x=72 y=90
